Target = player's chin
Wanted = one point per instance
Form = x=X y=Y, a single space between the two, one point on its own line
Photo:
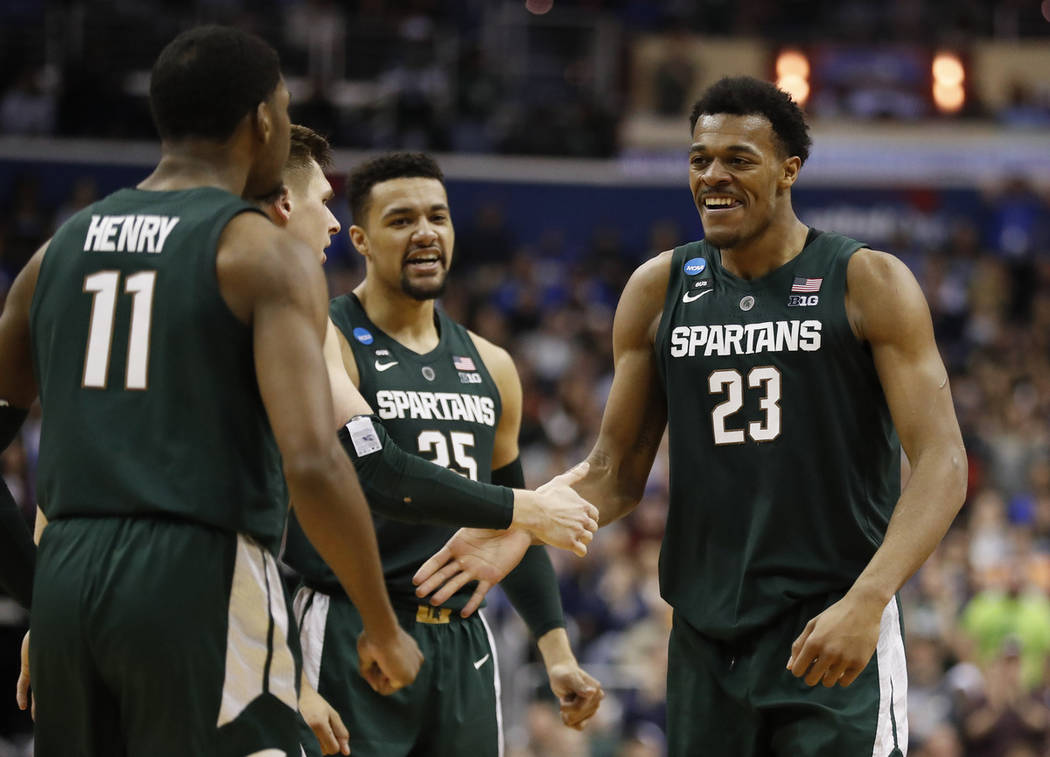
x=722 y=237
x=423 y=287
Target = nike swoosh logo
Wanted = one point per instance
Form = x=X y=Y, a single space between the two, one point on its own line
x=687 y=298
x=479 y=663
x=384 y=366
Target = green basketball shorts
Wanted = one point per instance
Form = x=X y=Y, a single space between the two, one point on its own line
x=160 y=638
x=452 y=708
x=737 y=699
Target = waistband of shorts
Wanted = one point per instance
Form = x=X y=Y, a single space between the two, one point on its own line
x=407 y=613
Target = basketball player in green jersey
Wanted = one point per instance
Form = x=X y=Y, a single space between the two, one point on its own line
x=789 y=367
x=174 y=336
x=301 y=207
x=456 y=399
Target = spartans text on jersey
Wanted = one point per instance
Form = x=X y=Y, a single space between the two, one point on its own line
x=143 y=233
x=746 y=339
x=439 y=406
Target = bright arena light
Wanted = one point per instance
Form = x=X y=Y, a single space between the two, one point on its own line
x=948 y=69
x=792 y=69
x=948 y=77
x=792 y=62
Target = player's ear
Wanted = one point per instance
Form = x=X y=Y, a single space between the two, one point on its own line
x=282 y=206
x=359 y=239
x=789 y=172
x=262 y=121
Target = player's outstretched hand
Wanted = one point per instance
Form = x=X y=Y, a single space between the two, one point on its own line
x=835 y=647
x=388 y=664
x=555 y=514
x=22 y=696
x=579 y=694
x=472 y=554
x=324 y=721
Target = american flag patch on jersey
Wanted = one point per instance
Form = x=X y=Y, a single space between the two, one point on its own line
x=463 y=363
x=802 y=284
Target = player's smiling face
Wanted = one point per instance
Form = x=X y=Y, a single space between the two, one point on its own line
x=737 y=175
x=409 y=235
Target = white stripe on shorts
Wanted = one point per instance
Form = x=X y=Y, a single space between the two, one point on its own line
x=313 y=618
x=893 y=685
x=496 y=684
x=256 y=598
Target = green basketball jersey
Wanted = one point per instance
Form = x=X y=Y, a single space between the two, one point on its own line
x=784 y=463
x=443 y=406
x=147 y=380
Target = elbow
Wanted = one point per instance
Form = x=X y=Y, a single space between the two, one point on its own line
x=308 y=467
x=959 y=474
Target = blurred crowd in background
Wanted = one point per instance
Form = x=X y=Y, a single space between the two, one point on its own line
x=479 y=75
x=977 y=616
x=470 y=76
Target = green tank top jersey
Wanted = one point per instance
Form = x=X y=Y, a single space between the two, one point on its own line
x=147 y=380
x=784 y=463
x=443 y=406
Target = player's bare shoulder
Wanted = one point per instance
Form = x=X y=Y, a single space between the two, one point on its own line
x=642 y=302
x=882 y=296
x=498 y=362
x=257 y=259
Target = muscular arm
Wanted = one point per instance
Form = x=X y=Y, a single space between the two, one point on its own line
x=532 y=587
x=18 y=389
x=273 y=283
x=889 y=311
x=17 y=382
x=346 y=398
x=636 y=412
x=614 y=474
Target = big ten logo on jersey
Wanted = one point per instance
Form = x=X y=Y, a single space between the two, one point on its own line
x=802 y=300
x=467 y=370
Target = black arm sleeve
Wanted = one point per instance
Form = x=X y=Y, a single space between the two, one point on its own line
x=408 y=488
x=17 y=551
x=532 y=587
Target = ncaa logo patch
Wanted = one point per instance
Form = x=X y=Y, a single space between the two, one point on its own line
x=694 y=266
x=364 y=336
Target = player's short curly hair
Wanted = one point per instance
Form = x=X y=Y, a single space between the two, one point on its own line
x=746 y=96
x=394 y=165
x=207 y=79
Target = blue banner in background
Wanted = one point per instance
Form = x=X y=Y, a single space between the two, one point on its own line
x=572 y=219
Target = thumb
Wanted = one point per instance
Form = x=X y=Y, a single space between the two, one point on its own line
x=574 y=474
x=569 y=477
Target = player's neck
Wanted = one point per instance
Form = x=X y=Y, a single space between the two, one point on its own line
x=197 y=164
x=405 y=319
x=781 y=241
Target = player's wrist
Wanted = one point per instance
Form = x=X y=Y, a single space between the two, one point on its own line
x=555 y=649
x=528 y=512
x=870 y=592
x=382 y=627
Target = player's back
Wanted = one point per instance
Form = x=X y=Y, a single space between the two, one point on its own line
x=147 y=380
